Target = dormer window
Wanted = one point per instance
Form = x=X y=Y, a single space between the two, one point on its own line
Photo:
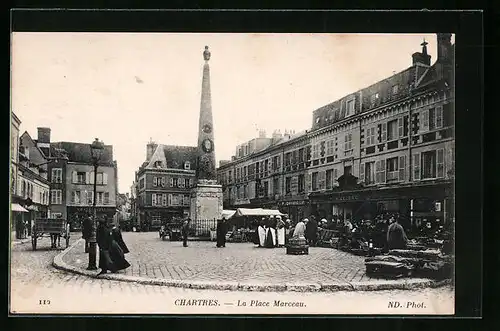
x=350 y=108
x=187 y=165
x=374 y=98
x=158 y=164
x=395 y=89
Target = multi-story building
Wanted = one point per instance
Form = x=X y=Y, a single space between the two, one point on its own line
x=33 y=184
x=163 y=183
x=71 y=175
x=387 y=147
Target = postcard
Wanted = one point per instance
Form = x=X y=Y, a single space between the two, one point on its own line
x=232 y=173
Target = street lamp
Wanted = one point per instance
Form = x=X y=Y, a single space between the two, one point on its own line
x=96 y=148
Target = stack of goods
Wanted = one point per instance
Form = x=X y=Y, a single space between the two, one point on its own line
x=326 y=236
x=431 y=263
x=297 y=246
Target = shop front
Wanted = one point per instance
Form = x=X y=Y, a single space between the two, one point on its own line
x=153 y=218
x=416 y=205
x=297 y=208
x=76 y=215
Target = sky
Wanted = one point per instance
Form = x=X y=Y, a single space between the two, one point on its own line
x=128 y=88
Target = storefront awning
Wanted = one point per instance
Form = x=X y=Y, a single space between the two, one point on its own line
x=17 y=207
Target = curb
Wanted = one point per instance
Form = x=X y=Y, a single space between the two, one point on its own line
x=410 y=284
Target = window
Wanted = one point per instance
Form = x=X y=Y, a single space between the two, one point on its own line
x=175 y=182
x=56 y=197
x=315 y=181
x=288 y=184
x=347 y=170
x=348 y=142
x=416 y=166
x=374 y=98
x=380 y=171
x=106 y=198
x=392 y=130
x=142 y=183
x=164 y=199
x=154 y=200
x=329 y=147
x=402 y=167
x=187 y=165
x=266 y=188
x=79 y=177
x=370 y=136
x=329 y=179
x=350 y=108
x=301 y=184
x=288 y=157
x=429 y=164
x=186 y=183
x=186 y=201
x=245 y=191
x=395 y=89
x=75 y=197
x=155 y=181
x=162 y=182
x=369 y=172
x=392 y=169
x=175 y=199
x=401 y=127
x=276 y=184
x=56 y=175
x=100 y=198
x=89 y=197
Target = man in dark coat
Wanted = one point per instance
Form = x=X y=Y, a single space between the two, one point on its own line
x=185 y=231
x=221 y=232
x=86 y=229
x=396 y=236
x=312 y=231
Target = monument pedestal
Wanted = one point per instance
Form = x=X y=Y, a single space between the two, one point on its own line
x=206 y=201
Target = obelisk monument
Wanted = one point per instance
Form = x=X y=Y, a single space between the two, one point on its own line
x=206 y=196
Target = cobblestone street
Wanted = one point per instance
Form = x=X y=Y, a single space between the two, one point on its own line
x=34 y=279
x=237 y=262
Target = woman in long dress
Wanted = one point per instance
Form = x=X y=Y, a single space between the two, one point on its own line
x=270 y=234
x=280 y=226
x=111 y=255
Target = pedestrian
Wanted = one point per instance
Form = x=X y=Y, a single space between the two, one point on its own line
x=280 y=229
x=111 y=255
x=117 y=236
x=86 y=229
x=312 y=231
x=396 y=236
x=221 y=232
x=270 y=239
x=261 y=231
x=185 y=231
x=300 y=229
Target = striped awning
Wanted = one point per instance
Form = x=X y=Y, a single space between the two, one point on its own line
x=18 y=207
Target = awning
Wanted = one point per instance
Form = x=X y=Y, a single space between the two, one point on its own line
x=257 y=212
x=226 y=213
x=19 y=208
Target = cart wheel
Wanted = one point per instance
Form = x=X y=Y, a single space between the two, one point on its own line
x=33 y=242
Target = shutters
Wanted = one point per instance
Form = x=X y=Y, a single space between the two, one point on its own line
x=105 y=178
x=439 y=117
x=190 y=182
x=75 y=177
x=171 y=183
x=153 y=199
x=155 y=181
x=440 y=163
x=402 y=167
x=106 y=198
x=377 y=172
x=322 y=180
x=384 y=132
x=416 y=166
x=87 y=177
x=401 y=127
x=362 y=172
x=382 y=171
x=163 y=182
x=169 y=201
x=92 y=177
x=309 y=182
x=424 y=120
x=164 y=199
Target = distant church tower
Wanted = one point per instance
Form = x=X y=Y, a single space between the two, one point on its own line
x=206 y=148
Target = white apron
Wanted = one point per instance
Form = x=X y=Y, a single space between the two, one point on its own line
x=281 y=236
x=262 y=235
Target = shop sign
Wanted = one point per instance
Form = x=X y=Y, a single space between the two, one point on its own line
x=293 y=203
x=351 y=197
x=97 y=209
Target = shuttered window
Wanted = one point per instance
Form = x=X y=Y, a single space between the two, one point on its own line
x=401 y=127
x=439 y=117
x=384 y=132
x=424 y=120
x=440 y=163
x=416 y=166
x=362 y=172
x=402 y=167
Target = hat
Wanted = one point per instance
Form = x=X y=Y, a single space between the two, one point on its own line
x=306 y=220
x=278 y=217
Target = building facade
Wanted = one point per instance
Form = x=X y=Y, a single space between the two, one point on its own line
x=71 y=176
x=163 y=184
x=385 y=148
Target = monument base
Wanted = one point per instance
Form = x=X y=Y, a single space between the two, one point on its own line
x=206 y=201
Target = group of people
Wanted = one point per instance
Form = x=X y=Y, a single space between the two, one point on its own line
x=112 y=248
x=271 y=232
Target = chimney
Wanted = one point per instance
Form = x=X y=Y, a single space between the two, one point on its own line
x=423 y=57
x=262 y=134
x=43 y=140
x=150 y=149
x=445 y=56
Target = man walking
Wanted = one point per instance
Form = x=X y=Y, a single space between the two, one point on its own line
x=396 y=236
x=184 y=231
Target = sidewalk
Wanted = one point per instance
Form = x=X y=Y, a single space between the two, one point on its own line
x=16 y=241
x=239 y=266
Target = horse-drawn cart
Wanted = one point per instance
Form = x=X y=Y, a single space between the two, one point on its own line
x=50 y=226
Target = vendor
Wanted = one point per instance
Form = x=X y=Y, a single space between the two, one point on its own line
x=396 y=236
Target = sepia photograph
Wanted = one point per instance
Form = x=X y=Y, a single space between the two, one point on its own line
x=232 y=173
